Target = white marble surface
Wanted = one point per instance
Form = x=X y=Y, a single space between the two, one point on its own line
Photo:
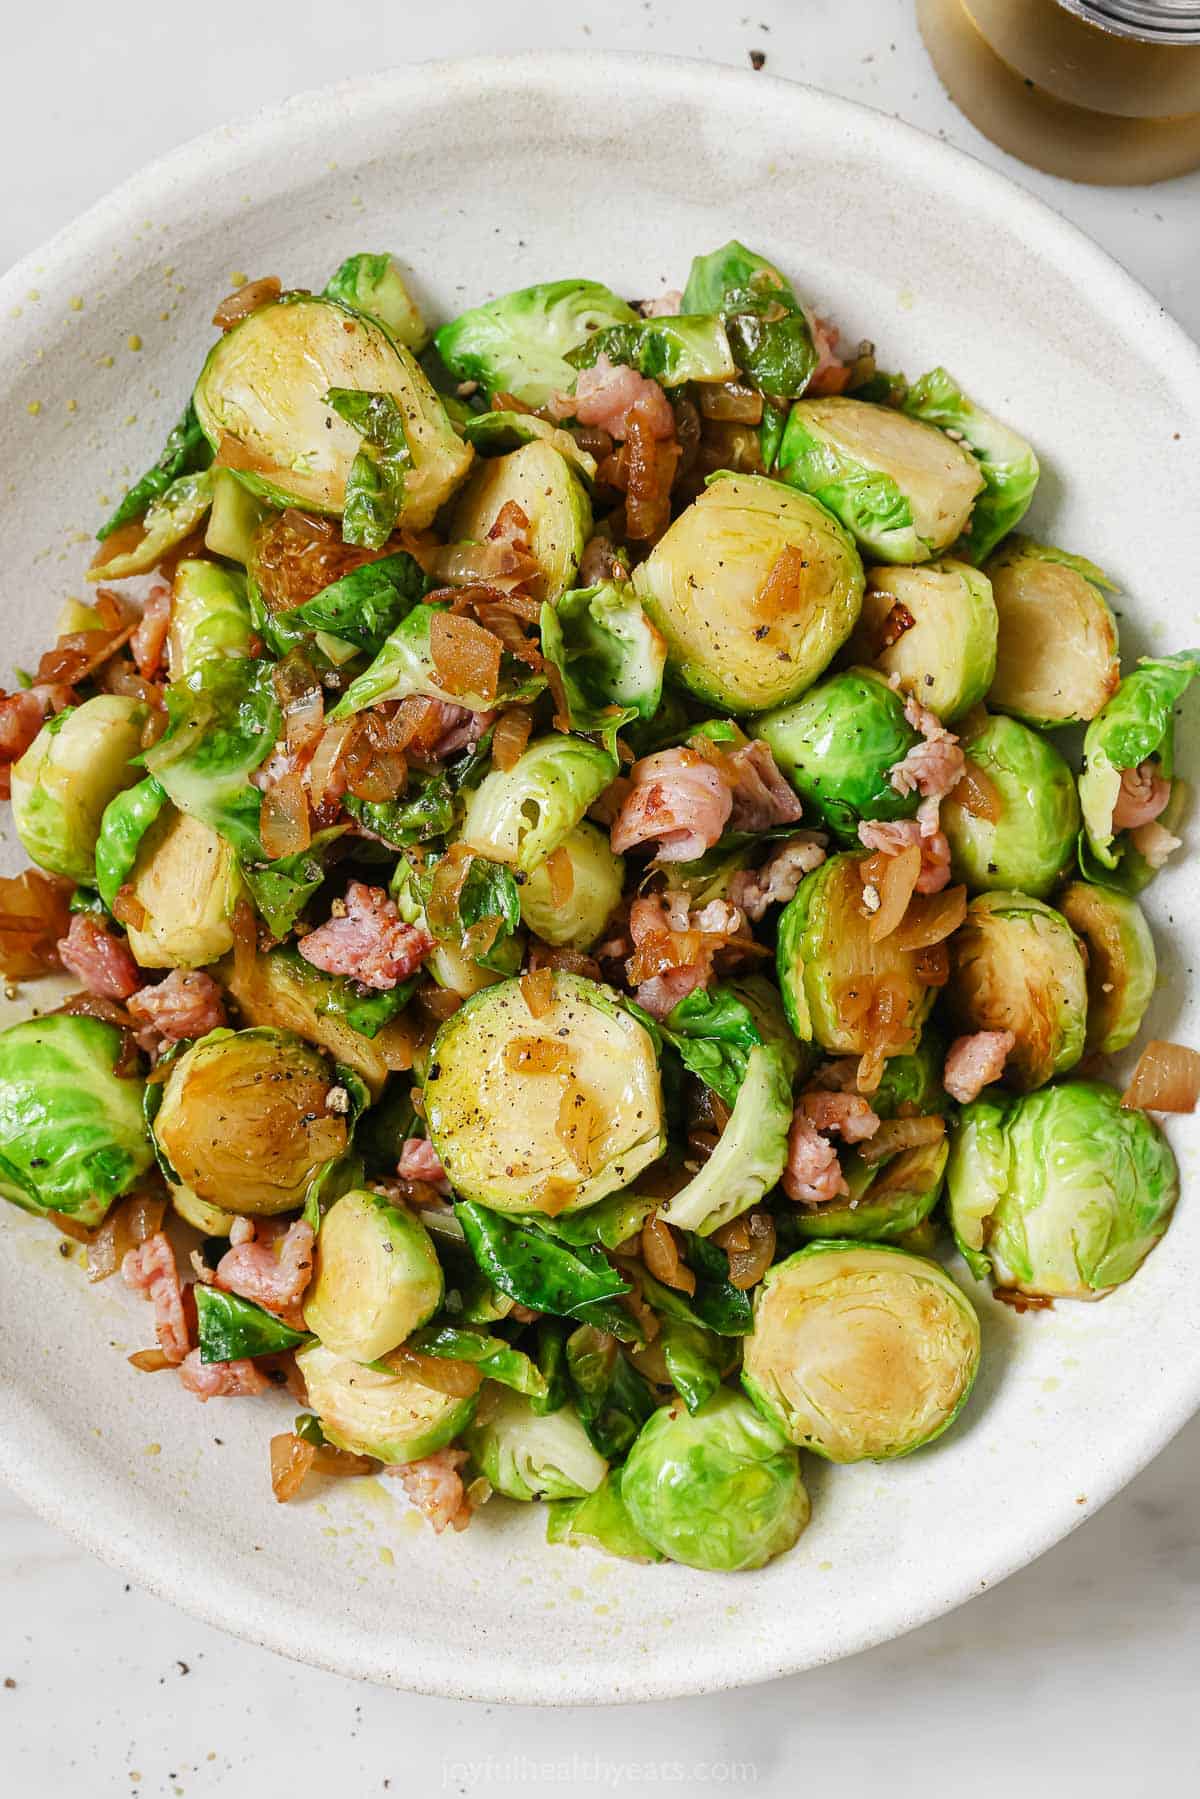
x=1076 y=1675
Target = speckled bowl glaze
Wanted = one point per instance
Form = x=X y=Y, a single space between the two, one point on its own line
x=484 y=176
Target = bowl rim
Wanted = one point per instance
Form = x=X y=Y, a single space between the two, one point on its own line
x=209 y=1593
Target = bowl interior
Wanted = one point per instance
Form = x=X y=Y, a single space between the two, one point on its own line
x=484 y=176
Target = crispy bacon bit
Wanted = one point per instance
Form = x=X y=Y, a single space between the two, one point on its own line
x=435 y=1487
x=150 y=637
x=1142 y=796
x=933 y=767
x=846 y=1113
x=660 y=1252
x=510 y=736
x=1154 y=842
x=892 y=837
x=1166 y=1079
x=419 y=1161
x=607 y=394
x=831 y=374
x=221 y=1380
x=974 y=1062
x=271 y=1266
x=762 y=798
x=813 y=1175
x=22 y=716
x=34 y=915
x=151 y=1269
x=466 y=657
x=99 y=960
x=79 y=654
x=188 y=1003
x=246 y=299
x=368 y=941
x=676 y=798
x=776 y=882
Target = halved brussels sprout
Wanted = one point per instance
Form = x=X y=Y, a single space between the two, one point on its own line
x=836 y=746
x=405 y=666
x=540 y=481
x=860 y=1353
x=1032 y=841
x=601 y=1521
x=520 y=815
x=768 y=329
x=235 y=517
x=608 y=652
x=544 y=1110
x=852 y=996
x=903 y=489
x=518 y=343
x=389 y=1416
x=1061 y=1193
x=1017 y=966
x=886 y=1200
x=1008 y=464
x=72 y=1134
x=718 y=1489
x=525 y=1454
x=935 y=627
x=76 y=764
x=375 y=284
x=208 y=1219
x=755 y=589
x=262 y=399
x=1121 y=964
x=911 y=1086
x=249 y=1119
x=1057 y=656
x=377 y=1277
x=210 y=616
x=185 y=878
x=494 y=432
x=597 y=877
x=169 y=519
x=282 y=990
x=1137 y=725
x=750 y=1154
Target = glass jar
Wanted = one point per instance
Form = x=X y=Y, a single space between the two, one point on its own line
x=1098 y=90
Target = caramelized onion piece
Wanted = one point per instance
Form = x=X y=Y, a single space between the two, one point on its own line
x=895 y=1134
x=978 y=794
x=535 y=1055
x=150 y=1361
x=284 y=826
x=931 y=918
x=660 y=1252
x=731 y=400
x=466 y=657
x=561 y=874
x=1166 y=1079
x=894 y=879
x=444 y=1374
x=70 y=1227
x=246 y=299
x=749 y=1242
x=34 y=915
x=292 y=1458
x=782 y=593
x=537 y=990
x=338 y=1464
x=510 y=736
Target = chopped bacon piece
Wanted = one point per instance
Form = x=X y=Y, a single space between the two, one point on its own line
x=666 y=306
x=680 y=945
x=846 y=1113
x=974 y=1062
x=151 y=1269
x=775 y=883
x=761 y=796
x=150 y=637
x=221 y=1380
x=367 y=940
x=813 y=1175
x=187 y=1004
x=933 y=767
x=101 y=961
x=461 y=733
x=269 y=1265
x=678 y=798
x=1143 y=795
x=831 y=373
x=894 y=836
x=1154 y=842
x=606 y=394
x=23 y=714
x=435 y=1487
x=419 y=1161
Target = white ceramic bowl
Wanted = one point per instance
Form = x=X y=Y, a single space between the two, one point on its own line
x=485 y=176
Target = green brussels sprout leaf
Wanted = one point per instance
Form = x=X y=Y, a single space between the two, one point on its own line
x=124 y=823
x=229 y=1327
x=375 y=484
x=373 y=284
x=1009 y=465
x=186 y=452
x=612 y=1398
x=769 y=332
x=222 y=723
x=174 y=515
x=671 y=350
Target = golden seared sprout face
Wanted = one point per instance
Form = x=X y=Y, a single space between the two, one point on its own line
x=755 y=588
x=860 y=1352
x=377 y=1277
x=597 y=877
x=186 y=880
x=1018 y=966
x=545 y=1109
x=934 y=629
x=79 y=761
x=246 y=1120
x=1121 y=963
x=1029 y=844
x=371 y=1412
x=538 y=479
x=1057 y=656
